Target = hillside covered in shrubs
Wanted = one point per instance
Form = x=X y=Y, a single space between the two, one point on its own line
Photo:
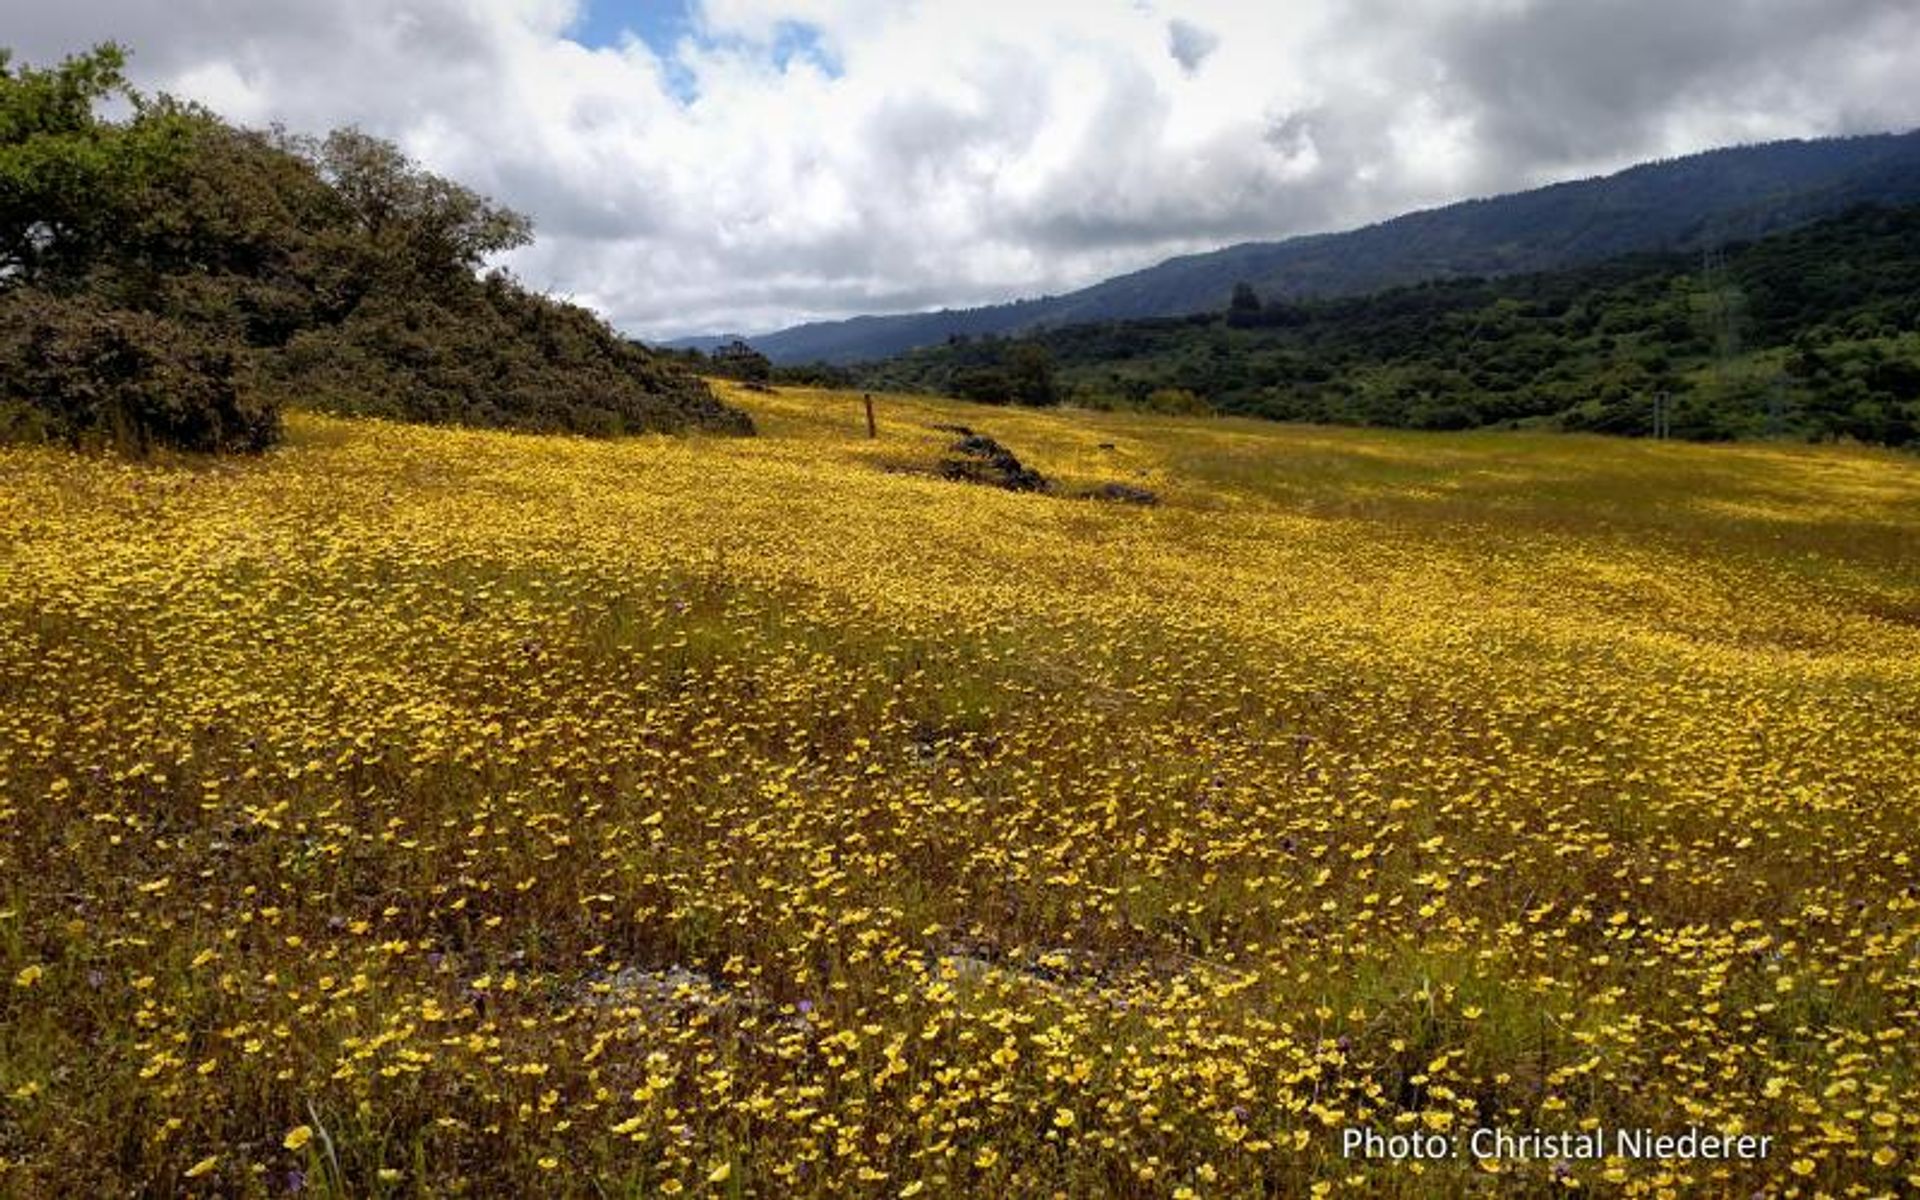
x=167 y=279
x=1810 y=334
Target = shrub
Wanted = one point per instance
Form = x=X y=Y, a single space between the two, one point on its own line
x=77 y=372
x=983 y=385
x=497 y=357
x=168 y=279
x=738 y=360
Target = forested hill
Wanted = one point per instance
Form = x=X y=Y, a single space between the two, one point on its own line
x=1810 y=333
x=1724 y=195
x=169 y=280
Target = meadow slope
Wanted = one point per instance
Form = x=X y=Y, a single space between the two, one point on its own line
x=417 y=811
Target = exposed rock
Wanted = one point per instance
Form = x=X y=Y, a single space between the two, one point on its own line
x=672 y=989
x=1076 y=976
x=679 y=996
x=976 y=458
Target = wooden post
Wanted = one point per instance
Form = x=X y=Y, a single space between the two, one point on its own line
x=872 y=431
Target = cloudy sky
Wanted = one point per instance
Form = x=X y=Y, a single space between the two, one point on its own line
x=739 y=165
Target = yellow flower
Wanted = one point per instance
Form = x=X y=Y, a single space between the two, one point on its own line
x=484 y=670
x=203 y=1166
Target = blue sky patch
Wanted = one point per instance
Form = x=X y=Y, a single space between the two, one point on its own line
x=662 y=24
x=658 y=23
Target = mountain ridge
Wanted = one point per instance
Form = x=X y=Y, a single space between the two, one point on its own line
x=1686 y=203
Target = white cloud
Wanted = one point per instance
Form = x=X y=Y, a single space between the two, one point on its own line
x=791 y=159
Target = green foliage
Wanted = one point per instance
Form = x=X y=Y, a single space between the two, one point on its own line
x=77 y=372
x=68 y=181
x=415 y=228
x=985 y=370
x=738 y=360
x=1243 y=309
x=249 y=270
x=814 y=375
x=493 y=355
x=1029 y=368
x=1813 y=334
x=983 y=385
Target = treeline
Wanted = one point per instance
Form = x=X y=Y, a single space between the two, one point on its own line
x=1809 y=334
x=169 y=279
x=739 y=361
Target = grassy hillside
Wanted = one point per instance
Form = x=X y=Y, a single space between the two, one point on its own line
x=1808 y=334
x=445 y=811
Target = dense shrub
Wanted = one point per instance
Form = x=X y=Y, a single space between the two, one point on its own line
x=814 y=374
x=985 y=385
x=171 y=280
x=496 y=356
x=79 y=373
x=737 y=360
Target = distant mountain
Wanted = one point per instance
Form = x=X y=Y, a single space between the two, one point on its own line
x=1727 y=195
x=705 y=345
